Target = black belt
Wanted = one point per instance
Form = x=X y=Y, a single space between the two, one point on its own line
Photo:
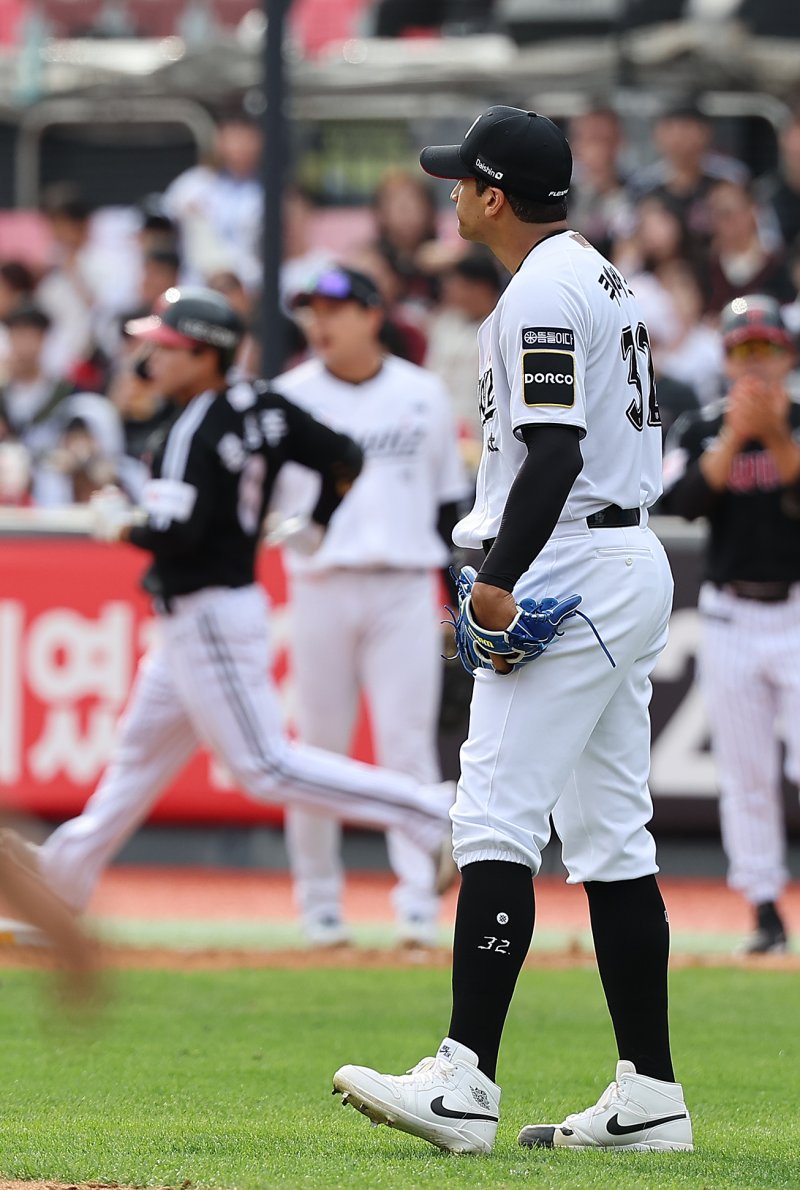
x=610 y=517
x=778 y=592
x=613 y=517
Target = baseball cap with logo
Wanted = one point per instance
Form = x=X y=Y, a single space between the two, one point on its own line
x=187 y=317
x=522 y=153
x=341 y=285
x=754 y=317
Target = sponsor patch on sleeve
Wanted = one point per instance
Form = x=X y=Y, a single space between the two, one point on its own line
x=548 y=378
x=548 y=336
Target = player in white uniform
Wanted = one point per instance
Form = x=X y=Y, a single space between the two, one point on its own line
x=365 y=607
x=571 y=462
x=206 y=679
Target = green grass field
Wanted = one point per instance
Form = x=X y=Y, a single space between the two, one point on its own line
x=223 y=1080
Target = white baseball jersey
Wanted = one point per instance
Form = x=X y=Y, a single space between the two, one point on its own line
x=402 y=420
x=567 y=344
x=568 y=735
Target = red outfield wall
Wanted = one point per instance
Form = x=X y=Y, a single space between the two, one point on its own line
x=73 y=624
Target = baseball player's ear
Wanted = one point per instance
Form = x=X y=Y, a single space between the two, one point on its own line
x=496 y=201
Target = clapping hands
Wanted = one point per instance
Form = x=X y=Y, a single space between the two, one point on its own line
x=757 y=411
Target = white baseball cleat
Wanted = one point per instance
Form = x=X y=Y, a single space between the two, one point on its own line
x=19 y=933
x=445 y=1100
x=327 y=933
x=417 y=933
x=633 y=1113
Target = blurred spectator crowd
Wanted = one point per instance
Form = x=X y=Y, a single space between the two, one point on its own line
x=77 y=409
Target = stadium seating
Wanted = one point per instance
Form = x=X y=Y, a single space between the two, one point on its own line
x=147 y=18
x=71 y=18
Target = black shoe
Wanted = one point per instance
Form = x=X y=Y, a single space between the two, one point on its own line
x=769 y=936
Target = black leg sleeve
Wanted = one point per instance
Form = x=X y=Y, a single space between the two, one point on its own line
x=631 y=941
x=494 y=927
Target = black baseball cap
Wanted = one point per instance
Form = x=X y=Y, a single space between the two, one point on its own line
x=186 y=317
x=342 y=285
x=522 y=153
x=754 y=317
x=685 y=109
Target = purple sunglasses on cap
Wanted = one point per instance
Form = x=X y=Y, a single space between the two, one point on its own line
x=341 y=285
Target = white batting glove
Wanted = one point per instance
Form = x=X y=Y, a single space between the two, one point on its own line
x=111 y=512
x=297 y=533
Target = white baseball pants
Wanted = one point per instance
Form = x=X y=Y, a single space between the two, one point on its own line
x=375 y=632
x=207 y=681
x=749 y=669
x=566 y=734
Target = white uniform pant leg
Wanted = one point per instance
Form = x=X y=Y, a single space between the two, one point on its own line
x=742 y=704
x=154 y=741
x=529 y=729
x=324 y=671
x=603 y=813
x=784 y=646
x=217 y=648
x=402 y=674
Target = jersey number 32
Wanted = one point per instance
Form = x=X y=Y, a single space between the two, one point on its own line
x=635 y=343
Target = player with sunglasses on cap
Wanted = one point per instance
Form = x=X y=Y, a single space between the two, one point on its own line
x=737 y=464
x=365 y=607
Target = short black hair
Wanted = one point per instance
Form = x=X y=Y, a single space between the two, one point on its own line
x=743 y=185
x=686 y=108
x=237 y=112
x=526 y=210
x=65 y=200
x=18 y=276
x=601 y=108
x=153 y=214
x=164 y=256
x=480 y=268
x=28 y=315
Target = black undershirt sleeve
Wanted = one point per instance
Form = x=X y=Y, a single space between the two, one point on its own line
x=337 y=479
x=534 y=504
x=336 y=457
x=445 y=524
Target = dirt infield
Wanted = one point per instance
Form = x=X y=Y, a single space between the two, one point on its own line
x=695 y=906
x=162 y=958
x=4 y=1185
x=201 y=896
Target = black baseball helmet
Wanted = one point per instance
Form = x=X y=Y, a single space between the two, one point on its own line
x=755 y=316
x=189 y=317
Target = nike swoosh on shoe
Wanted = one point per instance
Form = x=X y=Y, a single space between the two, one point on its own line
x=616 y=1129
x=438 y=1108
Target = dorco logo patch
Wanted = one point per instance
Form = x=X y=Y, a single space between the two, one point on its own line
x=548 y=378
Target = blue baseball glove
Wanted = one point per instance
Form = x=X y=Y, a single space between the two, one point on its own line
x=534 y=627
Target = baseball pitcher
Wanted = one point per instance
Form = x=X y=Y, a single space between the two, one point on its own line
x=559 y=718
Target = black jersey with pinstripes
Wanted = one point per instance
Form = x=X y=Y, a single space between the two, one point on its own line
x=214 y=468
x=754 y=525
